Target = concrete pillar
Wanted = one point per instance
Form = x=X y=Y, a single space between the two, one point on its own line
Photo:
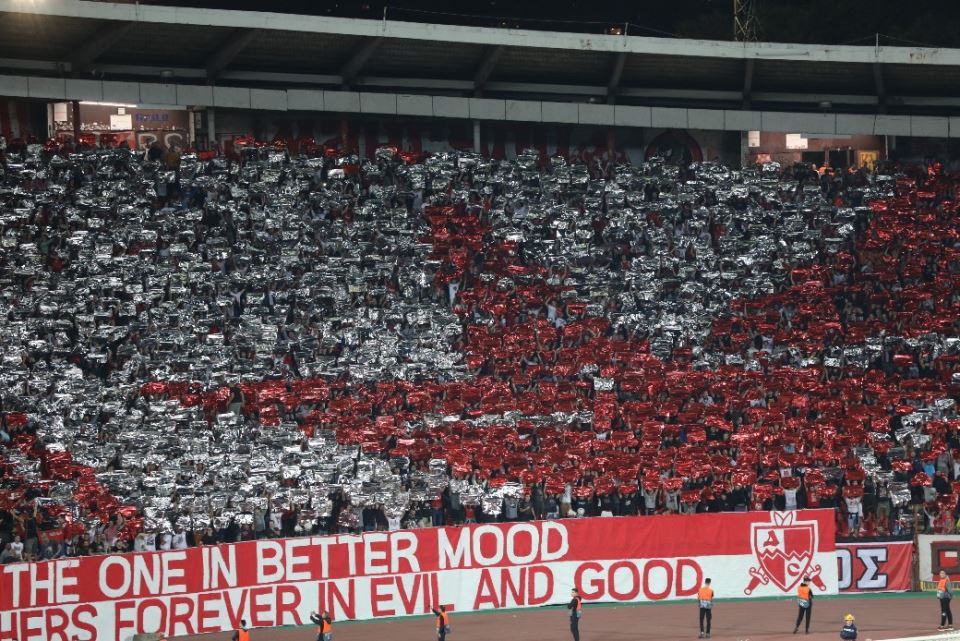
x=191 y=128
x=345 y=136
x=744 y=148
x=476 y=136
x=75 y=107
x=51 y=128
x=211 y=129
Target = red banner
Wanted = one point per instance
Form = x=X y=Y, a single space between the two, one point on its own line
x=875 y=566
x=378 y=574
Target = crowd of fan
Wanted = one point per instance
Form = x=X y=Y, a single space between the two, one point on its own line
x=205 y=350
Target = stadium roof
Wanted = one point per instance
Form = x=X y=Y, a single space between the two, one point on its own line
x=130 y=42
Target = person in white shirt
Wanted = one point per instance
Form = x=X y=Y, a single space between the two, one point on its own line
x=179 y=538
x=551 y=311
x=166 y=540
x=275 y=520
x=393 y=523
x=138 y=543
x=790 y=499
x=566 y=500
x=510 y=508
x=16 y=546
x=672 y=501
x=650 y=500
x=149 y=542
x=854 y=511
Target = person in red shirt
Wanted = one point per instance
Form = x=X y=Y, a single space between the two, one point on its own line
x=436 y=509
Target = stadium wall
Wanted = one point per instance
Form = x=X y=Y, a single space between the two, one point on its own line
x=385 y=574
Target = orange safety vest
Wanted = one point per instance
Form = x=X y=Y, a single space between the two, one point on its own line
x=579 y=603
x=705 y=594
x=443 y=619
x=324 y=626
x=243 y=635
x=803 y=592
x=942 y=585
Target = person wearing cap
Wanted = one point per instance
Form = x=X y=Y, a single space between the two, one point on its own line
x=944 y=594
x=705 y=601
x=805 y=603
x=849 y=630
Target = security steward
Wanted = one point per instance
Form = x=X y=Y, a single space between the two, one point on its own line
x=705 y=599
x=944 y=594
x=805 y=603
x=241 y=634
x=324 y=625
x=443 y=622
x=576 y=610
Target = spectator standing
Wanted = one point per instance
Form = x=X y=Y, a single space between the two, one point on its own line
x=166 y=541
x=650 y=501
x=28 y=523
x=510 y=508
x=179 y=538
x=436 y=511
x=259 y=523
x=16 y=548
x=8 y=555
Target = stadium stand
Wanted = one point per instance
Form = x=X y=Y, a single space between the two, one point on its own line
x=203 y=349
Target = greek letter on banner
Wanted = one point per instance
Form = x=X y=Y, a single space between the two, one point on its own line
x=381 y=574
x=874 y=566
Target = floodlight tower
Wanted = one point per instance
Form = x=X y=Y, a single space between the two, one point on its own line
x=746 y=25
